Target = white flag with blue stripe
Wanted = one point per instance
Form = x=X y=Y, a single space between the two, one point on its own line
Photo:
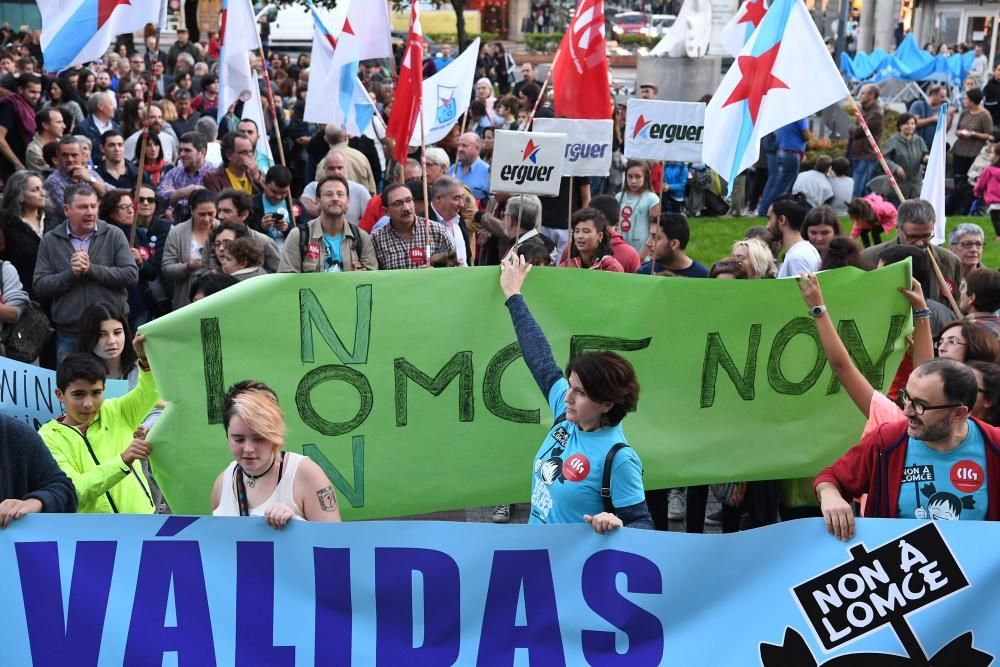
x=783 y=74
x=932 y=188
x=80 y=31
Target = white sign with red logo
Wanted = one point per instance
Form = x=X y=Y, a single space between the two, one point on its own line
x=588 y=144
x=527 y=162
x=664 y=131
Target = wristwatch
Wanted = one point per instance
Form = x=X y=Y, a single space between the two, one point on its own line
x=816 y=311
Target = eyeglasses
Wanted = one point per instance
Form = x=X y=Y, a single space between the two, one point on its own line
x=147 y=200
x=919 y=407
x=968 y=245
x=951 y=340
x=125 y=207
x=220 y=244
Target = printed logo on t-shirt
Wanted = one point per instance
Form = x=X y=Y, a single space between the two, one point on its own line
x=943 y=506
x=561 y=435
x=550 y=469
x=576 y=468
x=918 y=474
x=967 y=476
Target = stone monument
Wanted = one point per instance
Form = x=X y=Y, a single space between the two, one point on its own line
x=679 y=65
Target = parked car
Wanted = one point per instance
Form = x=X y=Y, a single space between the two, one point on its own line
x=659 y=24
x=629 y=23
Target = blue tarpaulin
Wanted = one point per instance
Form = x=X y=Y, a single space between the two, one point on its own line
x=908 y=63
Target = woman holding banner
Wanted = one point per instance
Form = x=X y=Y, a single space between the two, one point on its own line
x=265 y=480
x=586 y=445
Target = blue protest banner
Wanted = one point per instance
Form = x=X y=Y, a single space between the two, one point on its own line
x=139 y=590
x=27 y=393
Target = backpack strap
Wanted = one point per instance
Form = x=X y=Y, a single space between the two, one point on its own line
x=356 y=239
x=303 y=227
x=561 y=418
x=606 y=477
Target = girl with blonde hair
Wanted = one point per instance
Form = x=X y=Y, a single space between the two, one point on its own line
x=263 y=479
x=756 y=258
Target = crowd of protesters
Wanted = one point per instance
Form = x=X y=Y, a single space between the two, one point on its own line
x=124 y=198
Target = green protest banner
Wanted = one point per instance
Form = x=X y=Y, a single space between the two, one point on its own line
x=408 y=387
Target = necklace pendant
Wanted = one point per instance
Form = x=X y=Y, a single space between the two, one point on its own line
x=251 y=482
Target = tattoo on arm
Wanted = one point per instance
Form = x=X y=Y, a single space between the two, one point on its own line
x=327 y=499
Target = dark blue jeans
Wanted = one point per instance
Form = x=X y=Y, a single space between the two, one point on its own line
x=863 y=172
x=780 y=178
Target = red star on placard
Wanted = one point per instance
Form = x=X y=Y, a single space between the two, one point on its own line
x=531 y=151
x=755 y=11
x=105 y=8
x=639 y=125
x=757 y=80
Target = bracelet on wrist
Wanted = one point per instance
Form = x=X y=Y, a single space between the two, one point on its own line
x=143 y=363
x=923 y=313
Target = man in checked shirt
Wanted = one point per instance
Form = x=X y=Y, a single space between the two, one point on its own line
x=408 y=241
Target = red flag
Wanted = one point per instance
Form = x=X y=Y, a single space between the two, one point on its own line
x=409 y=91
x=580 y=73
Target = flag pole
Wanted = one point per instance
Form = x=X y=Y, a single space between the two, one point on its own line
x=541 y=93
x=517 y=233
x=569 y=213
x=142 y=145
x=663 y=181
x=878 y=151
x=277 y=130
x=942 y=282
x=427 y=201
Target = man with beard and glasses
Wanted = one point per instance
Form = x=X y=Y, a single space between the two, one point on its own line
x=333 y=244
x=938 y=463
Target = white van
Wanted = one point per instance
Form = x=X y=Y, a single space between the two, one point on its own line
x=293 y=29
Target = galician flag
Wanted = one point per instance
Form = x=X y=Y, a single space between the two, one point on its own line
x=735 y=34
x=365 y=35
x=932 y=188
x=783 y=74
x=253 y=110
x=239 y=36
x=79 y=31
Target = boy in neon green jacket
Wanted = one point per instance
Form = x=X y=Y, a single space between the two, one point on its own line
x=93 y=442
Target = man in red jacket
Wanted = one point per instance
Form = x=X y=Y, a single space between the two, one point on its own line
x=938 y=463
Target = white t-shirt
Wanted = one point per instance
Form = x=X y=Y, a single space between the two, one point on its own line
x=815 y=186
x=843 y=192
x=800 y=258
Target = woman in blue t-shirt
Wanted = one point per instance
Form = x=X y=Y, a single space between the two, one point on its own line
x=568 y=474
